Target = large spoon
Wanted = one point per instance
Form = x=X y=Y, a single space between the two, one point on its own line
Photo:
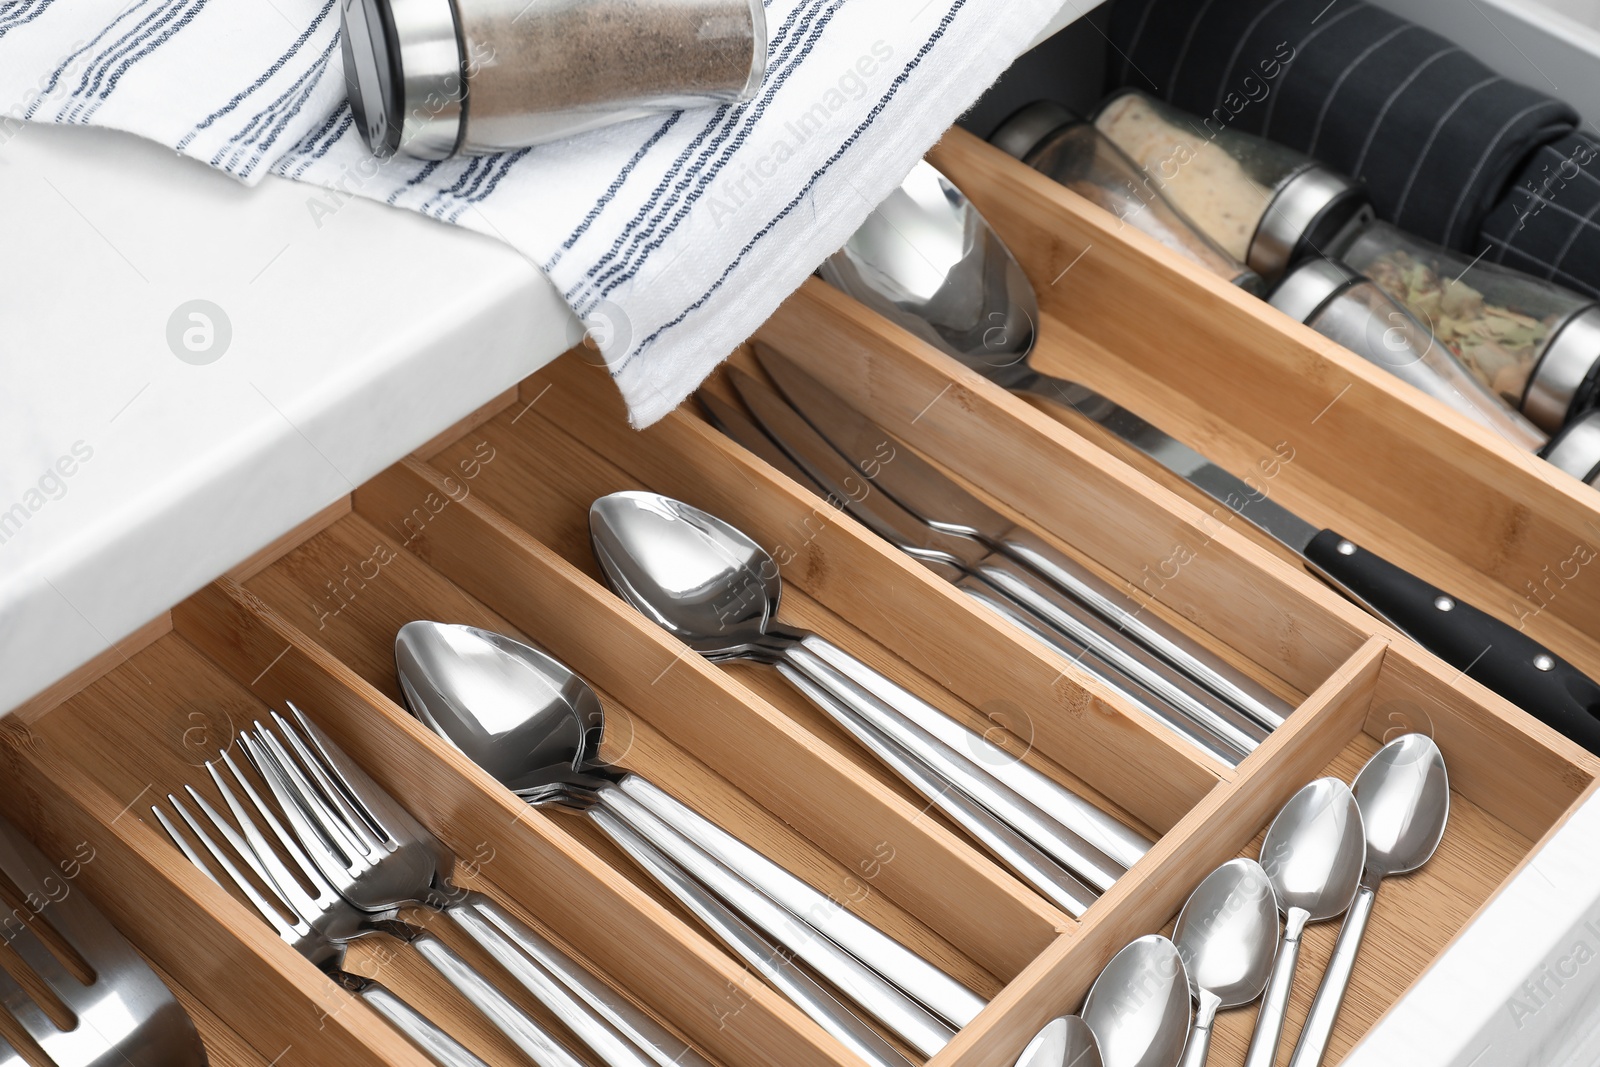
x=1226 y=935
x=1139 y=1006
x=1404 y=796
x=713 y=587
x=535 y=726
x=1313 y=852
x=1065 y=1041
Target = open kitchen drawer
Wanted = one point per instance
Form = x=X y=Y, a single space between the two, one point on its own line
x=488 y=525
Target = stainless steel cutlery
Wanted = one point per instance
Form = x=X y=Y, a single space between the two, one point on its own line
x=123 y=1014
x=364 y=857
x=1226 y=950
x=718 y=590
x=536 y=726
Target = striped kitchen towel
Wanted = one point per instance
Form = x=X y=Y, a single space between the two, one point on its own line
x=672 y=237
x=1435 y=135
x=1548 y=222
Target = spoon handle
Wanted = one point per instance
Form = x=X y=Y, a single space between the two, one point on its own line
x=924 y=982
x=1313 y=1043
x=1010 y=847
x=763 y=957
x=1198 y=1047
x=1275 y=1002
x=860 y=983
x=982 y=770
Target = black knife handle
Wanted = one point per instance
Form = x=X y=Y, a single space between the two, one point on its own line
x=1487 y=650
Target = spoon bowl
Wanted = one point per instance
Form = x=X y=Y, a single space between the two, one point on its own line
x=1404 y=796
x=1227 y=934
x=518 y=713
x=1139 y=1007
x=1065 y=1041
x=927 y=260
x=696 y=576
x=1315 y=849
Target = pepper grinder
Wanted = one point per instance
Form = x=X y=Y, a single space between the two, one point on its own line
x=441 y=78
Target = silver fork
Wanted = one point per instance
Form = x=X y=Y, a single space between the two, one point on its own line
x=125 y=1014
x=321 y=924
x=378 y=857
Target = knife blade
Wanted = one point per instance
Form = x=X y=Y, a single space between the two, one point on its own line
x=1486 y=649
x=1003 y=584
x=928 y=493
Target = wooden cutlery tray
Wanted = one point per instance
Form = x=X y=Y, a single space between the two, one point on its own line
x=488 y=525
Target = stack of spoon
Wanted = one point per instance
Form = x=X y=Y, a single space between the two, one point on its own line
x=1325 y=854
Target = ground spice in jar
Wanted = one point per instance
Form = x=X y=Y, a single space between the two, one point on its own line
x=1205 y=182
x=555 y=55
x=538 y=70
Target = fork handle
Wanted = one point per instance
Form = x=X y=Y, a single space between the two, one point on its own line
x=473 y=916
x=441 y=1048
x=511 y=1020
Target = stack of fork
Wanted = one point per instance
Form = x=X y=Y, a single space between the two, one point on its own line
x=366 y=858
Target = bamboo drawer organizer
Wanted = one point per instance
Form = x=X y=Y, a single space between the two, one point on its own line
x=488 y=525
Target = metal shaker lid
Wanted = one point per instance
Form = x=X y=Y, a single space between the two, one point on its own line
x=1308 y=215
x=1564 y=381
x=1576 y=449
x=1306 y=289
x=404 y=75
x=1020 y=134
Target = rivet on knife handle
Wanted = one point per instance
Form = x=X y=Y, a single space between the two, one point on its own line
x=1487 y=650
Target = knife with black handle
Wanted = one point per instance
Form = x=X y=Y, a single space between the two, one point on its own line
x=1484 y=648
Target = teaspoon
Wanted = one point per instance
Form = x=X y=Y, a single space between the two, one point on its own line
x=1313 y=852
x=1226 y=935
x=1139 y=1007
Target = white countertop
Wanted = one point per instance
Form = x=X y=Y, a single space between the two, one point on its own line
x=356 y=336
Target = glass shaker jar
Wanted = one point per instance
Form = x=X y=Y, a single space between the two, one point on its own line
x=1062 y=145
x=1576 y=449
x=1266 y=205
x=1529 y=340
x=440 y=78
x=1348 y=309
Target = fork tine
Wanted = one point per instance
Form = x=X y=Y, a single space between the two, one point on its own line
x=357 y=818
x=258 y=854
x=32 y=951
x=332 y=825
x=10 y=1057
x=337 y=864
x=378 y=809
x=285 y=929
x=27 y=1012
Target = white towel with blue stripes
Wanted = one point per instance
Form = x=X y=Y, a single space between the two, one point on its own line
x=672 y=237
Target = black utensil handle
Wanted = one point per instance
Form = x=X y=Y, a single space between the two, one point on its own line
x=1487 y=650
